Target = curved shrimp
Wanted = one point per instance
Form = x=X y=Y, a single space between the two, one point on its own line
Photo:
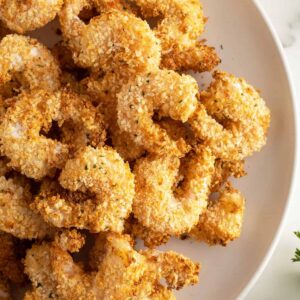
x=157 y=205
x=232 y=118
x=180 y=23
x=222 y=221
x=110 y=185
x=34 y=111
x=113 y=40
x=29 y=62
x=23 y=16
x=103 y=90
x=135 y=274
x=16 y=216
x=166 y=92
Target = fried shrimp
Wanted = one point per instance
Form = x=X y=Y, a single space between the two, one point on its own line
x=160 y=206
x=232 y=118
x=115 y=39
x=180 y=23
x=33 y=112
x=103 y=90
x=135 y=275
x=23 y=16
x=10 y=264
x=16 y=216
x=28 y=61
x=110 y=184
x=166 y=92
x=222 y=222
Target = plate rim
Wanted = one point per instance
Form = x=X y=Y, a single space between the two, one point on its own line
x=264 y=262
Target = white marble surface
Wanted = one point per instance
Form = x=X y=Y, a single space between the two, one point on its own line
x=281 y=279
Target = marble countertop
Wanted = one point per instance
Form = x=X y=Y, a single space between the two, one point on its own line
x=281 y=278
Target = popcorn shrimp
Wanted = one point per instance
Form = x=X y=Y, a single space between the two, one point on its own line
x=115 y=39
x=180 y=23
x=166 y=92
x=232 y=118
x=222 y=221
x=163 y=207
x=110 y=184
x=23 y=16
x=34 y=111
x=27 y=60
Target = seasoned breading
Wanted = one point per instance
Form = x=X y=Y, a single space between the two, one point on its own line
x=30 y=62
x=232 y=118
x=167 y=200
x=222 y=222
x=180 y=23
x=165 y=92
x=34 y=111
x=16 y=216
x=23 y=16
x=103 y=174
x=113 y=40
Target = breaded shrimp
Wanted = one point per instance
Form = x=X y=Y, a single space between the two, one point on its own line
x=222 y=222
x=29 y=61
x=170 y=200
x=113 y=40
x=180 y=23
x=166 y=92
x=135 y=275
x=103 y=90
x=34 y=111
x=23 y=16
x=16 y=216
x=110 y=185
x=232 y=118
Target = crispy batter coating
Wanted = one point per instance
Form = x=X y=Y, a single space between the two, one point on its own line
x=101 y=172
x=232 y=118
x=34 y=111
x=5 y=292
x=3 y=31
x=180 y=23
x=151 y=238
x=222 y=222
x=16 y=216
x=224 y=170
x=23 y=16
x=169 y=197
x=10 y=264
x=103 y=90
x=135 y=275
x=115 y=39
x=166 y=92
x=27 y=60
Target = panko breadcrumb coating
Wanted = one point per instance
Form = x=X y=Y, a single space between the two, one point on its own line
x=123 y=273
x=103 y=174
x=180 y=23
x=34 y=111
x=165 y=92
x=222 y=222
x=115 y=39
x=232 y=118
x=170 y=200
x=23 y=16
x=11 y=266
x=16 y=216
x=29 y=61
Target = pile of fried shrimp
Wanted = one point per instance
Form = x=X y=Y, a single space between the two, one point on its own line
x=105 y=140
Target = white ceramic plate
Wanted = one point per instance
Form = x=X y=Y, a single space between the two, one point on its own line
x=249 y=50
